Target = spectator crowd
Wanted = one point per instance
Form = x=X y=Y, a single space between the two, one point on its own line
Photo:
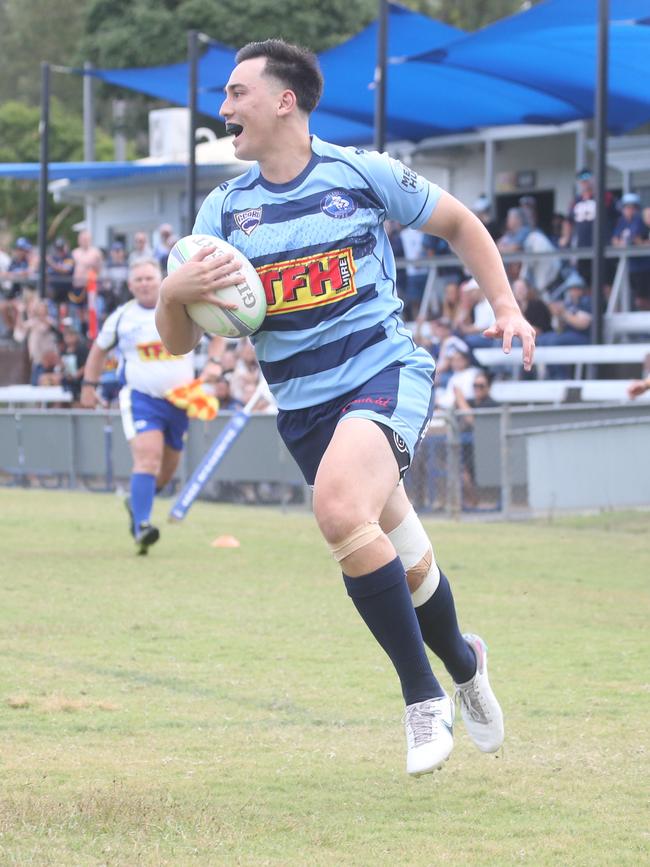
x=84 y=284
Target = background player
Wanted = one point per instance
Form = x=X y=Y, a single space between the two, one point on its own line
x=355 y=394
x=153 y=426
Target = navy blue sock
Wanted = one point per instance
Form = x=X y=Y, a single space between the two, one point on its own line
x=439 y=626
x=382 y=598
x=143 y=487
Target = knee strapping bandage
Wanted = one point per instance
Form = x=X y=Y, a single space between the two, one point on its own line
x=359 y=537
x=414 y=550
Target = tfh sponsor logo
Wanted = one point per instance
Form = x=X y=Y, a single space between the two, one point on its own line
x=299 y=284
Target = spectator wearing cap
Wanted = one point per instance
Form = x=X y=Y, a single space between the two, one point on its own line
x=482 y=207
x=512 y=240
x=583 y=216
x=528 y=207
x=630 y=230
x=573 y=316
x=21 y=271
x=60 y=266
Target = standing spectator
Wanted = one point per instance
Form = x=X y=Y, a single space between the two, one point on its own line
x=86 y=259
x=416 y=275
x=631 y=231
x=162 y=248
x=583 y=216
x=115 y=279
x=247 y=370
x=141 y=248
x=481 y=399
x=541 y=273
x=60 y=266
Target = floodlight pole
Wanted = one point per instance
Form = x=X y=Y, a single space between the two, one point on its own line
x=44 y=135
x=89 y=113
x=380 y=77
x=193 y=58
x=599 y=239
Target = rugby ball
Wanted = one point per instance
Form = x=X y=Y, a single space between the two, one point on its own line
x=249 y=296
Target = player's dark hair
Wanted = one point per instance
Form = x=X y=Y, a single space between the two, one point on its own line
x=295 y=67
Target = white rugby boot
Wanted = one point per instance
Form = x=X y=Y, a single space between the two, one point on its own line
x=429 y=734
x=478 y=705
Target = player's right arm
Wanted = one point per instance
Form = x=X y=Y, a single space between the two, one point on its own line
x=89 y=397
x=197 y=280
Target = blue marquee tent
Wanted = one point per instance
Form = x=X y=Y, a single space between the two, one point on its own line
x=423 y=100
x=553 y=49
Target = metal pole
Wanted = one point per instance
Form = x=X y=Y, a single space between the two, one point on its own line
x=89 y=113
x=380 y=77
x=44 y=133
x=193 y=56
x=598 y=269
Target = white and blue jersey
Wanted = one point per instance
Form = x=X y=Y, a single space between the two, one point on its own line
x=319 y=247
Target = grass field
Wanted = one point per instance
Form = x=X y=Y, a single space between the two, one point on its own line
x=205 y=706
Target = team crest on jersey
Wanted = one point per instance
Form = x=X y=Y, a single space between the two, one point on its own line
x=338 y=204
x=248 y=220
x=409 y=181
x=299 y=284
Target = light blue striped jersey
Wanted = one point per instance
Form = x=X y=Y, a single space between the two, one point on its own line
x=319 y=246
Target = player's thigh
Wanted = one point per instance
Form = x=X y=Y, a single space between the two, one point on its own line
x=396 y=509
x=147 y=451
x=355 y=478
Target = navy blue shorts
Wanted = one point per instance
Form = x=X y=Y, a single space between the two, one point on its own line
x=398 y=398
x=141 y=412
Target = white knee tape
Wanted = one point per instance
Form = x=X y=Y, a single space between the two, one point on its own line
x=412 y=546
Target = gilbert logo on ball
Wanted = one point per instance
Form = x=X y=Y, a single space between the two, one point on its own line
x=249 y=296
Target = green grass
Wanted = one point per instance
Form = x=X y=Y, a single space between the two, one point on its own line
x=209 y=706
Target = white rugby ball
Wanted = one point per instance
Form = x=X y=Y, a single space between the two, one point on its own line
x=249 y=296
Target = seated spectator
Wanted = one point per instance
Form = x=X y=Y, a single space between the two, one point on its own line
x=573 y=317
x=452 y=307
x=60 y=266
x=74 y=352
x=512 y=241
x=433 y=246
x=21 y=270
x=478 y=315
x=536 y=311
x=141 y=248
x=541 y=273
x=35 y=326
x=631 y=231
x=482 y=207
x=464 y=370
x=50 y=368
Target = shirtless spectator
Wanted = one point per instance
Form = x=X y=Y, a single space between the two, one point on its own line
x=86 y=259
x=35 y=326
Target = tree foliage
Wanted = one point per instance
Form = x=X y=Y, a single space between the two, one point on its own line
x=19 y=142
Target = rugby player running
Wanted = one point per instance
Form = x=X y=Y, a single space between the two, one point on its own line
x=354 y=393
